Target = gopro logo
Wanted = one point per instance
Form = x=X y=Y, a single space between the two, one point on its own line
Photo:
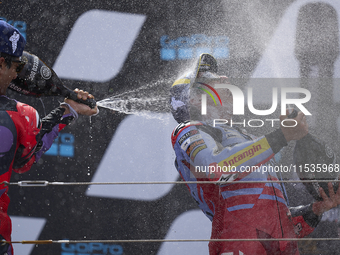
x=62 y=146
x=91 y=248
x=192 y=46
x=18 y=24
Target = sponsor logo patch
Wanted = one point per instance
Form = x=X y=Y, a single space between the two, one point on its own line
x=197 y=150
x=187 y=135
x=247 y=153
x=14 y=39
x=187 y=142
x=193 y=145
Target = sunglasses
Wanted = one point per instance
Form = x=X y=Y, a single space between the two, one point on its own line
x=20 y=66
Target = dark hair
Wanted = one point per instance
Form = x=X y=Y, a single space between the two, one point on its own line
x=8 y=59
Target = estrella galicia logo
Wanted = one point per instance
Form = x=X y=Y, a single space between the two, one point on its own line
x=18 y=24
x=192 y=46
x=62 y=146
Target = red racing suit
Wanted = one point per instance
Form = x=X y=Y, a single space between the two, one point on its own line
x=237 y=210
x=19 y=127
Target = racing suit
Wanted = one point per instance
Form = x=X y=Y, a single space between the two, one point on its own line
x=22 y=144
x=255 y=210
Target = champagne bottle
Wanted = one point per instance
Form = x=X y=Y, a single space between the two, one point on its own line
x=38 y=79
